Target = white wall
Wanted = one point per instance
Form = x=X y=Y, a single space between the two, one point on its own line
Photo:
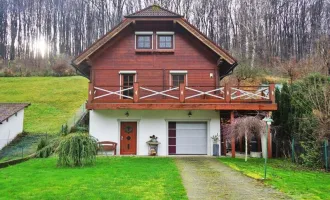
x=9 y=130
x=105 y=125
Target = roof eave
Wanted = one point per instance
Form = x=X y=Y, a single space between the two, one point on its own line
x=153 y=16
x=78 y=69
x=27 y=105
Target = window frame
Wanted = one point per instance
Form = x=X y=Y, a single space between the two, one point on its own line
x=144 y=34
x=165 y=33
x=121 y=80
x=178 y=72
x=158 y=42
x=177 y=79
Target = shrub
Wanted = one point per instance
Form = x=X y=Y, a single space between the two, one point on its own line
x=45 y=148
x=312 y=154
x=77 y=149
x=8 y=72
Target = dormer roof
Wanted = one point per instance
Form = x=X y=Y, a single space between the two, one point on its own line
x=154 y=11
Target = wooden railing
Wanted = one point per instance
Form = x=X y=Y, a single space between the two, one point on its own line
x=182 y=94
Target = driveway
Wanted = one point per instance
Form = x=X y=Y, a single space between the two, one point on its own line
x=207 y=178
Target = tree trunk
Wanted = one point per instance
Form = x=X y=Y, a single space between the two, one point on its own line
x=246 y=147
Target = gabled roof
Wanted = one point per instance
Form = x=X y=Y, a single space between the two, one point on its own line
x=9 y=109
x=150 y=13
x=153 y=11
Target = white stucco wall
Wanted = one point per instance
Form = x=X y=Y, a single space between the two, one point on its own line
x=11 y=128
x=105 y=126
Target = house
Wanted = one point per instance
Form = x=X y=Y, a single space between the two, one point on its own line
x=11 y=121
x=156 y=74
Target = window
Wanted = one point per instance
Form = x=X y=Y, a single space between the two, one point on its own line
x=177 y=79
x=128 y=80
x=165 y=41
x=143 y=41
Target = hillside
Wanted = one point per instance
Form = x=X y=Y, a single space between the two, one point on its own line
x=53 y=100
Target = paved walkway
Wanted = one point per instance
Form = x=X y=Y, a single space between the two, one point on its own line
x=207 y=178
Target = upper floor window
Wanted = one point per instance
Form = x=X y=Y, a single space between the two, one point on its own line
x=177 y=79
x=127 y=79
x=165 y=41
x=143 y=41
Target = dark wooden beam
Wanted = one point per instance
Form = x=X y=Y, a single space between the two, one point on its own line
x=181 y=106
x=220 y=61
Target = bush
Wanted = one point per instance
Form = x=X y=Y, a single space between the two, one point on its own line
x=44 y=149
x=311 y=157
x=77 y=149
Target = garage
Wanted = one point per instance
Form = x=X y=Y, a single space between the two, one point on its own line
x=187 y=138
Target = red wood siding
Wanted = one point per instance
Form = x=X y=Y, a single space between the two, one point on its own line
x=153 y=68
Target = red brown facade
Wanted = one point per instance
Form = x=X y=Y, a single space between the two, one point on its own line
x=155 y=60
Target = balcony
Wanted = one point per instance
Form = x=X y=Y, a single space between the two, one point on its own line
x=182 y=98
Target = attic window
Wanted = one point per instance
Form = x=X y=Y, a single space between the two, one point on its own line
x=143 y=40
x=165 y=40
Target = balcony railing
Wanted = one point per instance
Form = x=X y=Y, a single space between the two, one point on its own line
x=182 y=94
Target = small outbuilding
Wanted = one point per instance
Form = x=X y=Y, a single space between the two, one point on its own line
x=11 y=121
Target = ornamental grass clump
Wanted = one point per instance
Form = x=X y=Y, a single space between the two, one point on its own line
x=77 y=149
x=45 y=148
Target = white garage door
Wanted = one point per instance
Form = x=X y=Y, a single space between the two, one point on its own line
x=187 y=138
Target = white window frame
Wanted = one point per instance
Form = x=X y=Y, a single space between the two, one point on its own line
x=178 y=72
x=121 y=73
x=165 y=33
x=145 y=33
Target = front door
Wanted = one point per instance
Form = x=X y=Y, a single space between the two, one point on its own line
x=128 y=132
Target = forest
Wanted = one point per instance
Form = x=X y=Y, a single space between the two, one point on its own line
x=41 y=35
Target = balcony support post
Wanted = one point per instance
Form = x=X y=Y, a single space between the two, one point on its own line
x=233 y=139
x=182 y=92
x=136 y=92
x=272 y=92
x=227 y=93
x=90 y=92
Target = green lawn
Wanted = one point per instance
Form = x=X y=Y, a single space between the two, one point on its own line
x=297 y=182
x=109 y=178
x=53 y=100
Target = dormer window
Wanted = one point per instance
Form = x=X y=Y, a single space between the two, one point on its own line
x=165 y=40
x=143 y=40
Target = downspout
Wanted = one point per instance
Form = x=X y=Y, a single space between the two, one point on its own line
x=163 y=81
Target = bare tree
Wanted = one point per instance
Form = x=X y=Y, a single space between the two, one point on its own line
x=246 y=127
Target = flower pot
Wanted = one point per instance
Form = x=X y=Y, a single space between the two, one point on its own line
x=153 y=140
x=215 y=149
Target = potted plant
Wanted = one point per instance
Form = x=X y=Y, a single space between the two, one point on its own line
x=153 y=138
x=215 y=139
x=153 y=145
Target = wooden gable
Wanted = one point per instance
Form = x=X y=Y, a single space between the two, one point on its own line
x=151 y=13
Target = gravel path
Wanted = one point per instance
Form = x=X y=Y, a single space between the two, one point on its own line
x=207 y=178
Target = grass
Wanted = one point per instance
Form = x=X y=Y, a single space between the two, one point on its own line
x=109 y=178
x=53 y=99
x=297 y=182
